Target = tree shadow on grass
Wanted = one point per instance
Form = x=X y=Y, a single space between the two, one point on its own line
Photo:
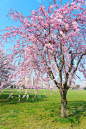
x=77 y=110
x=15 y=99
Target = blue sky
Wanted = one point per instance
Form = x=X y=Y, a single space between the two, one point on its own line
x=24 y=6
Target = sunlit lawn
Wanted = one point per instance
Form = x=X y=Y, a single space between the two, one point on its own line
x=43 y=112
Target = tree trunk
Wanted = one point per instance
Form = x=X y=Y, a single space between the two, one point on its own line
x=63 y=103
x=63 y=109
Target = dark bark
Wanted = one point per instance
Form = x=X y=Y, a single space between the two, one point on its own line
x=63 y=93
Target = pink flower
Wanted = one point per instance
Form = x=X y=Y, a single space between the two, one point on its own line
x=44 y=93
x=60 y=22
x=19 y=100
x=67 y=26
x=5 y=38
x=19 y=96
x=53 y=36
x=50 y=7
x=51 y=94
x=27 y=96
x=23 y=96
x=85 y=2
x=75 y=25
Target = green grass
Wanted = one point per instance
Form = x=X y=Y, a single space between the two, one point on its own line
x=43 y=112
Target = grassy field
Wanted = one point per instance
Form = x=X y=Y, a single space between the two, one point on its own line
x=43 y=112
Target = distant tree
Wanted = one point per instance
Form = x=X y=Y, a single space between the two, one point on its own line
x=5 y=67
x=77 y=86
x=83 y=85
x=50 y=43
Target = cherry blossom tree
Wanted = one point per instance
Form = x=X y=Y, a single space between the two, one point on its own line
x=50 y=44
x=5 y=67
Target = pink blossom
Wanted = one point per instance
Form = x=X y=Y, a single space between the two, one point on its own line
x=53 y=36
x=44 y=93
x=19 y=96
x=60 y=21
x=75 y=25
x=51 y=94
x=23 y=96
x=85 y=2
x=27 y=96
x=5 y=39
x=19 y=100
x=50 y=7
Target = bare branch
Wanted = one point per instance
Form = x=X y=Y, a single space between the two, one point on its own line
x=54 y=1
x=50 y=73
x=56 y=62
x=78 y=63
x=61 y=2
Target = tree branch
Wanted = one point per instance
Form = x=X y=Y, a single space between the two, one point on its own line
x=56 y=62
x=78 y=63
x=50 y=73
